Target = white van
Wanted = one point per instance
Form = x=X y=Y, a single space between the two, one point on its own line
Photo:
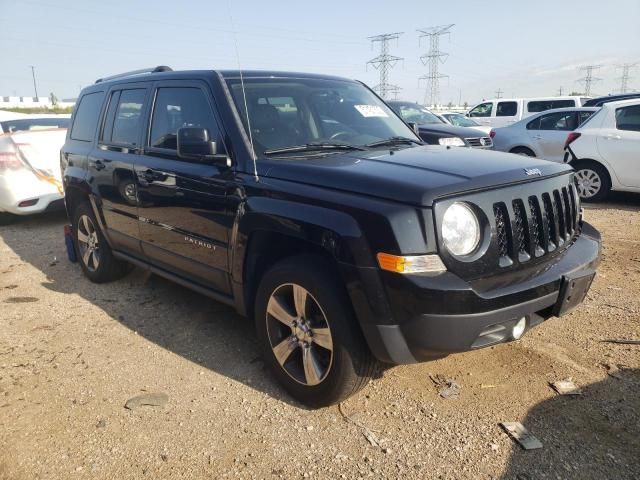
x=500 y=112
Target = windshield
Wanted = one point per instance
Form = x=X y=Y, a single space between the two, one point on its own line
x=287 y=112
x=414 y=113
x=460 y=120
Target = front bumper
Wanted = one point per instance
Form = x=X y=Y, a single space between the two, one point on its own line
x=433 y=316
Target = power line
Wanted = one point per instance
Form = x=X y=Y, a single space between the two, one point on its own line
x=385 y=62
x=499 y=93
x=432 y=59
x=624 y=79
x=588 y=79
x=560 y=91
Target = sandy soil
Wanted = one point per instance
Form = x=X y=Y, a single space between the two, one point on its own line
x=72 y=353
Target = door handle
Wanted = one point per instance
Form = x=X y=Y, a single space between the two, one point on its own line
x=537 y=137
x=612 y=137
x=99 y=165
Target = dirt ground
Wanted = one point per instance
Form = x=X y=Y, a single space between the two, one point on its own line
x=72 y=353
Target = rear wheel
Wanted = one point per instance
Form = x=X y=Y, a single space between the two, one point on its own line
x=95 y=255
x=594 y=183
x=310 y=338
x=523 y=151
x=7 y=218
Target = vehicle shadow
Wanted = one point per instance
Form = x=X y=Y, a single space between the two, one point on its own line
x=600 y=429
x=177 y=319
x=626 y=201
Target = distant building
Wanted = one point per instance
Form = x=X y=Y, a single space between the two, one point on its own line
x=32 y=102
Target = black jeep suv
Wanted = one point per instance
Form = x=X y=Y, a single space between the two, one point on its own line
x=306 y=203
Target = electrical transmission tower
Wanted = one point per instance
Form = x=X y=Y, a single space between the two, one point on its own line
x=624 y=79
x=385 y=62
x=432 y=59
x=499 y=93
x=588 y=79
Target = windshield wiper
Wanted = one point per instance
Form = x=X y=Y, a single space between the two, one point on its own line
x=394 y=141
x=312 y=147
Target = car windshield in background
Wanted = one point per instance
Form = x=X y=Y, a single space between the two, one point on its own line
x=461 y=120
x=414 y=113
x=316 y=115
x=25 y=124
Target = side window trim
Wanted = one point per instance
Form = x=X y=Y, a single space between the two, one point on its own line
x=108 y=119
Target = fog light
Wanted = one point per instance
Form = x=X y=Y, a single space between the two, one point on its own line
x=518 y=328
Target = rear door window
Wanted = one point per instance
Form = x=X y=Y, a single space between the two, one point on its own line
x=628 y=118
x=506 y=109
x=86 y=117
x=554 y=121
x=127 y=117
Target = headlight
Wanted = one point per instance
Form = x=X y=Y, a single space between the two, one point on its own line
x=451 y=142
x=460 y=229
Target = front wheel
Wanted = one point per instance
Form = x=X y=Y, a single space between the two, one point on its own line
x=310 y=338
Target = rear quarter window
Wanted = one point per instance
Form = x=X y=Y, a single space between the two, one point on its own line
x=86 y=117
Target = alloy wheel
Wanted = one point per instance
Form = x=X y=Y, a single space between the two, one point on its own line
x=589 y=182
x=88 y=243
x=299 y=334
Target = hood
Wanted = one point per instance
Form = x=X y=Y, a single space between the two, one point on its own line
x=451 y=130
x=415 y=176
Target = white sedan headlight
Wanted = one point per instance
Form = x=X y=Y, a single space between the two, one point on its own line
x=451 y=141
x=460 y=229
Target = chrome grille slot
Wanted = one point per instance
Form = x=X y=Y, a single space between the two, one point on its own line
x=537 y=229
x=559 y=210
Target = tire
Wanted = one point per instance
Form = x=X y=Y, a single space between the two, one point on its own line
x=523 y=151
x=334 y=343
x=94 y=254
x=7 y=218
x=594 y=182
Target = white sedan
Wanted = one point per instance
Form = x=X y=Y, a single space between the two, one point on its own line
x=543 y=134
x=30 y=165
x=605 y=151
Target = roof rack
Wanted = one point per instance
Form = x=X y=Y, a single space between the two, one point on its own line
x=159 y=68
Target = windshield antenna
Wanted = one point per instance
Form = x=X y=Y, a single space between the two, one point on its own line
x=244 y=94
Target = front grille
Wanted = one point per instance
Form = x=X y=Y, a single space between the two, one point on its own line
x=535 y=226
x=480 y=142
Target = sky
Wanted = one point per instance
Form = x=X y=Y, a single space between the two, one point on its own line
x=523 y=48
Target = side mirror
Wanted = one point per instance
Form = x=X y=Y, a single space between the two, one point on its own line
x=194 y=144
x=414 y=127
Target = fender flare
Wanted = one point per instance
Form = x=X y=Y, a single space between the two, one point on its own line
x=333 y=231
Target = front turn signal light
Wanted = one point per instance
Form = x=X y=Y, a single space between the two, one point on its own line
x=411 y=263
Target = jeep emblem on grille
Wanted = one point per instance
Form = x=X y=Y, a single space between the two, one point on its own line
x=533 y=171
